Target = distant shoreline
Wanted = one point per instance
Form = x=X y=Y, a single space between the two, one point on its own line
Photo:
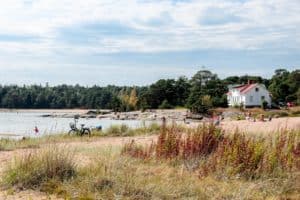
x=79 y=111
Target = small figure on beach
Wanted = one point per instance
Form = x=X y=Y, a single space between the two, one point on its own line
x=262 y=118
x=248 y=116
x=163 y=120
x=216 y=120
x=270 y=118
x=36 y=130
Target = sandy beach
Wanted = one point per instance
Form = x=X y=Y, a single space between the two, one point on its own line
x=86 y=148
x=267 y=127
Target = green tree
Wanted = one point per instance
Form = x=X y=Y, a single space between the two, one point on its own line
x=204 y=83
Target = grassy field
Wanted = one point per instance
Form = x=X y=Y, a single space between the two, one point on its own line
x=179 y=163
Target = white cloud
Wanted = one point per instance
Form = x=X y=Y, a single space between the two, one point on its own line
x=184 y=31
x=160 y=26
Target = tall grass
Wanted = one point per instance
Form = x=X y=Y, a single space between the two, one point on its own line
x=124 y=130
x=149 y=176
x=112 y=176
x=33 y=169
x=255 y=158
x=173 y=143
x=11 y=144
x=215 y=153
x=113 y=131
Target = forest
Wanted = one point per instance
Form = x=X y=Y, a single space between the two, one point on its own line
x=202 y=91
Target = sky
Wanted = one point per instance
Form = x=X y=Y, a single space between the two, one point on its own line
x=137 y=42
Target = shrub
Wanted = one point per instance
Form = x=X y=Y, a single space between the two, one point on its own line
x=279 y=114
x=253 y=158
x=38 y=167
x=124 y=130
x=226 y=155
x=295 y=111
x=137 y=151
x=165 y=105
x=264 y=105
x=117 y=130
x=172 y=144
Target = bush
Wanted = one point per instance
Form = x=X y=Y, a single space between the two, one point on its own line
x=253 y=158
x=124 y=130
x=165 y=105
x=278 y=114
x=264 y=105
x=295 y=111
x=117 y=130
x=172 y=144
x=34 y=169
x=215 y=153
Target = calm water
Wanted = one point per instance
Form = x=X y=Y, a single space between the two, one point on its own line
x=23 y=123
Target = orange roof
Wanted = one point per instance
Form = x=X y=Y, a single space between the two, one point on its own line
x=247 y=88
x=244 y=88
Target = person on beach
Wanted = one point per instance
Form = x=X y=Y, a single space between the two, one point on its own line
x=247 y=116
x=270 y=118
x=262 y=118
x=36 y=130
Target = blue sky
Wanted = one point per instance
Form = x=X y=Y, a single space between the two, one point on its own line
x=136 y=42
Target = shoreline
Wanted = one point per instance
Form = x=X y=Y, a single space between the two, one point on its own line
x=77 y=110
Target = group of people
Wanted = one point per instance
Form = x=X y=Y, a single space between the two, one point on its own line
x=261 y=118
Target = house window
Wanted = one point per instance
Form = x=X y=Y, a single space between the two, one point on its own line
x=251 y=98
x=262 y=98
x=256 y=89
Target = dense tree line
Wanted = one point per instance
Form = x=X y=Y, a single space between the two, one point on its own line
x=203 y=91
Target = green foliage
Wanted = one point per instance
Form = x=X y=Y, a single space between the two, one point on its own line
x=117 y=130
x=284 y=86
x=231 y=80
x=278 y=114
x=165 y=105
x=298 y=96
x=206 y=84
x=264 y=105
x=124 y=130
x=175 y=92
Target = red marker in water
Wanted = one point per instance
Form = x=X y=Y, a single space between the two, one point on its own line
x=36 y=130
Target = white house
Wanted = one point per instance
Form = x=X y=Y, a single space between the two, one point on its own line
x=249 y=95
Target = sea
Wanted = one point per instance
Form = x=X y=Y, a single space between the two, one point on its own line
x=24 y=124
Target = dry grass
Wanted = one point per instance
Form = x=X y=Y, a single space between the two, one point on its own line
x=35 y=168
x=124 y=131
x=201 y=163
x=212 y=152
x=115 y=177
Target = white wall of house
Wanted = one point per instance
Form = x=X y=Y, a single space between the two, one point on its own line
x=235 y=99
x=256 y=95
